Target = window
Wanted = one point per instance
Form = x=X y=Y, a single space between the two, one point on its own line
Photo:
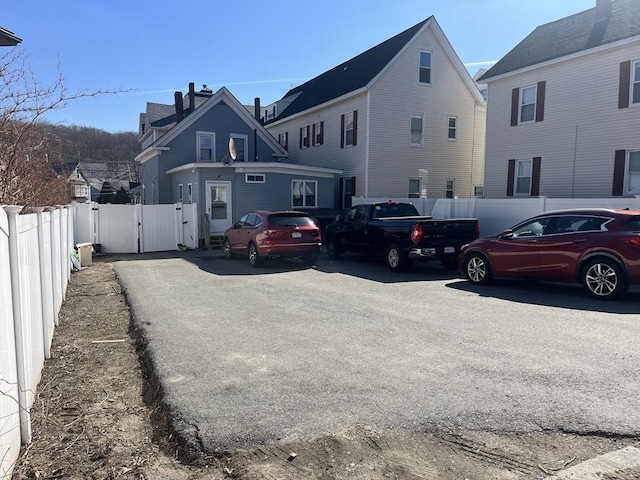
x=452 y=132
x=522 y=184
x=304 y=193
x=206 y=143
x=283 y=139
x=416 y=129
x=450 y=188
x=347 y=190
x=318 y=134
x=635 y=85
x=425 y=67
x=527 y=104
x=180 y=193
x=414 y=188
x=254 y=178
x=304 y=137
x=349 y=129
x=189 y=193
x=531 y=228
x=241 y=142
x=633 y=173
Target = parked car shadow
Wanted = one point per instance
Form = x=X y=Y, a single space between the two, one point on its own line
x=552 y=294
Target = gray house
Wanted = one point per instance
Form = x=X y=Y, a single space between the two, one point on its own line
x=215 y=153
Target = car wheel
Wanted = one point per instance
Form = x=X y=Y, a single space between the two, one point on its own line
x=332 y=249
x=310 y=261
x=254 y=258
x=397 y=260
x=477 y=269
x=602 y=278
x=226 y=248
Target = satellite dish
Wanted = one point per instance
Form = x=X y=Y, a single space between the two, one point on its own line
x=232 y=149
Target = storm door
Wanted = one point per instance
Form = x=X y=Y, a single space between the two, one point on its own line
x=218 y=197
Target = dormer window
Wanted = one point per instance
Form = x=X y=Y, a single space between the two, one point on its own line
x=206 y=146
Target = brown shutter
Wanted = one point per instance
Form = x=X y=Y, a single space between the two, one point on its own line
x=286 y=141
x=511 y=172
x=321 y=132
x=515 y=97
x=535 y=177
x=353 y=186
x=618 y=173
x=341 y=194
x=341 y=131
x=624 y=85
x=355 y=127
x=301 y=138
x=313 y=135
x=308 y=135
x=540 y=91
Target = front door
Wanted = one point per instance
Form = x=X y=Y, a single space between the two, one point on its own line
x=218 y=206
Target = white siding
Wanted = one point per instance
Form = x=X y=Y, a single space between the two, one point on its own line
x=581 y=131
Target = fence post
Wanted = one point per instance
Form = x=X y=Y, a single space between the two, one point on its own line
x=44 y=244
x=14 y=266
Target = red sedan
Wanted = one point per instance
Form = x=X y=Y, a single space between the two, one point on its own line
x=260 y=235
x=599 y=248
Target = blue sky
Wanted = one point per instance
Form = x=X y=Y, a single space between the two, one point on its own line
x=256 y=48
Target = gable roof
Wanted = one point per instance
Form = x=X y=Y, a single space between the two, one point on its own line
x=583 y=31
x=348 y=76
x=223 y=96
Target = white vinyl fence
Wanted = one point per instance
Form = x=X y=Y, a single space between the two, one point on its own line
x=136 y=228
x=497 y=214
x=35 y=268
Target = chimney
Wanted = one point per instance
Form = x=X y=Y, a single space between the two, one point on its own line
x=179 y=106
x=256 y=108
x=192 y=97
x=603 y=10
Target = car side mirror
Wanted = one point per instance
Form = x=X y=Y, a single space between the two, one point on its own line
x=236 y=225
x=506 y=234
x=339 y=218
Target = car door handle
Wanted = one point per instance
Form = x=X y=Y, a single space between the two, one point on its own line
x=580 y=241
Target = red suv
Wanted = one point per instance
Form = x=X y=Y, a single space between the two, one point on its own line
x=260 y=235
x=598 y=248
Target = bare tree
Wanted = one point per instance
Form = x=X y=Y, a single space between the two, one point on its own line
x=27 y=176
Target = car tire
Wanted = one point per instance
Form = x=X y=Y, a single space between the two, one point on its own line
x=226 y=249
x=332 y=249
x=602 y=278
x=310 y=261
x=397 y=260
x=449 y=263
x=477 y=268
x=254 y=257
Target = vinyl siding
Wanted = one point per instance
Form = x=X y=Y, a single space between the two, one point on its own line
x=582 y=127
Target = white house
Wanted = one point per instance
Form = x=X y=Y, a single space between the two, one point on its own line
x=403 y=119
x=563 y=115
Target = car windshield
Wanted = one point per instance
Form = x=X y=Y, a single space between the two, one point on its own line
x=385 y=210
x=289 y=220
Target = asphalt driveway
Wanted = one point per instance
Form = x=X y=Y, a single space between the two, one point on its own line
x=253 y=356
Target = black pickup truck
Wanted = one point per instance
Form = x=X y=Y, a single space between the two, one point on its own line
x=398 y=232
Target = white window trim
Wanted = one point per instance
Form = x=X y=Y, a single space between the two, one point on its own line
x=412 y=116
x=180 y=192
x=627 y=174
x=453 y=190
x=283 y=136
x=247 y=175
x=631 y=82
x=346 y=123
x=189 y=192
x=246 y=143
x=520 y=105
x=430 y=52
x=304 y=198
x=455 y=129
x=213 y=145
x=314 y=141
x=419 y=192
x=305 y=134
x=515 y=178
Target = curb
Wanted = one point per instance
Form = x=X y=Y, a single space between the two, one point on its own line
x=624 y=464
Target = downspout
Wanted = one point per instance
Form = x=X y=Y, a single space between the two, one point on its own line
x=366 y=150
x=575 y=157
x=473 y=148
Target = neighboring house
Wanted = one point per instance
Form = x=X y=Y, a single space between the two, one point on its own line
x=8 y=38
x=403 y=119
x=87 y=180
x=563 y=114
x=187 y=157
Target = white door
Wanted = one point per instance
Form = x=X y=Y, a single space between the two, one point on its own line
x=218 y=206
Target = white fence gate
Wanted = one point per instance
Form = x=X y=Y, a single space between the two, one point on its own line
x=137 y=228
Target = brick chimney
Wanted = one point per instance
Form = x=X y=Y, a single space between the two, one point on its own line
x=603 y=10
x=256 y=108
x=192 y=97
x=179 y=106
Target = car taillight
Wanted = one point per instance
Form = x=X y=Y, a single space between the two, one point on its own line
x=416 y=233
x=634 y=241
